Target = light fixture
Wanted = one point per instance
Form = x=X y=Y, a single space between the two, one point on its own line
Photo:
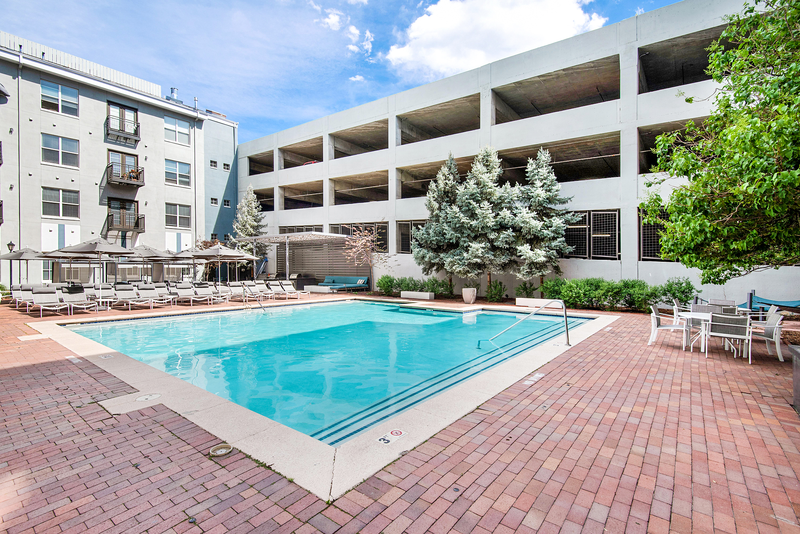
x=11 y=246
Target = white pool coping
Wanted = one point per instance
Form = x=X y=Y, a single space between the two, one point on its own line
x=324 y=470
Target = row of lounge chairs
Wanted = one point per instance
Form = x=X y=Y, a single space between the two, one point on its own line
x=71 y=297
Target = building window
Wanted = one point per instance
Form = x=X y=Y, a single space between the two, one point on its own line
x=381 y=228
x=226 y=166
x=59 y=98
x=226 y=203
x=122 y=119
x=213 y=237
x=178 y=173
x=595 y=235
x=47 y=271
x=60 y=203
x=404 y=235
x=650 y=239
x=179 y=216
x=228 y=237
x=59 y=150
x=214 y=201
x=176 y=130
x=297 y=229
x=213 y=164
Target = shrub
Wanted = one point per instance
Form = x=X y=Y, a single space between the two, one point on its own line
x=588 y=293
x=525 y=289
x=406 y=283
x=551 y=289
x=636 y=294
x=679 y=288
x=439 y=287
x=386 y=284
x=495 y=291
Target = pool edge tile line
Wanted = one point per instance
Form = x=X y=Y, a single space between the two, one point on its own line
x=308 y=459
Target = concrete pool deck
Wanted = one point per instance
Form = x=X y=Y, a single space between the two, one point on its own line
x=616 y=436
x=326 y=471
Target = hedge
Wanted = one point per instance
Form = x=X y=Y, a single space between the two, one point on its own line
x=597 y=293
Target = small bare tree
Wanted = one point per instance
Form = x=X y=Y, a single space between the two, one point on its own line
x=362 y=248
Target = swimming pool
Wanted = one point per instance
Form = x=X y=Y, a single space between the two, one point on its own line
x=330 y=370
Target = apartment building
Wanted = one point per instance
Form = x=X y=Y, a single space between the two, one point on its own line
x=596 y=101
x=88 y=152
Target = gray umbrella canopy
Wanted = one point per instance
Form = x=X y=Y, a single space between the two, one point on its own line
x=219 y=253
x=23 y=254
x=152 y=254
x=98 y=246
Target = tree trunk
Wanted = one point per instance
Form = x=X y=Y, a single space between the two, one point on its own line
x=488 y=280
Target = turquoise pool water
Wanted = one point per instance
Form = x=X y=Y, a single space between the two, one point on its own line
x=327 y=370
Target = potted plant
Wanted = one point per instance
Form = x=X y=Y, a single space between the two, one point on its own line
x=470 y=291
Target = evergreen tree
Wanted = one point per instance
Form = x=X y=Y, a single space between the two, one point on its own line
x=540 y=223
x=249 y=223
x=433 y=242
x=477 y=226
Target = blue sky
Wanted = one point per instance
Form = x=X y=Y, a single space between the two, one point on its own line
x=272 y=64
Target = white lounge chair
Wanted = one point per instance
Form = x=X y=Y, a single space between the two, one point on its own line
x=127 y=296
x=278 y=290
x=290 y=289
x=251 y=288
x=76 y=297
x=46 y=298
x=264 y=289
x=771 y=333
x=657 y=323
x=203 y=290
x=185 y=292
x=149 y=291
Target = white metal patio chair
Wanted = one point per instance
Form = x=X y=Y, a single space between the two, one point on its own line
x=657 y=323
x=46 y=298
x=733 y=330
x=771 y=333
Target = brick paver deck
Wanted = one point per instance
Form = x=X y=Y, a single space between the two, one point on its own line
x=616 y=437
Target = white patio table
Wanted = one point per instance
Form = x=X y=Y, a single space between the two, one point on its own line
x=705 y=319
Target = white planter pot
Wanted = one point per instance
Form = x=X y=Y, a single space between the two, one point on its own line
x=469 y=294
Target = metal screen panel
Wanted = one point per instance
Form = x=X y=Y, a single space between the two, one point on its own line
x=577 y=236
x=650 y=239
x=605 y=231
x=320 y=260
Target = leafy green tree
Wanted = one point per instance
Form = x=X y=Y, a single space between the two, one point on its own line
x=739 y=210
x=249 y=222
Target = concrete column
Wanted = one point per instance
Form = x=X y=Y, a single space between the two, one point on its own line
x=487 y=115
x=278 y=198
x=629 y=156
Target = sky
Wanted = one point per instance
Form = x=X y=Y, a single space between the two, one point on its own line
x=273 y=64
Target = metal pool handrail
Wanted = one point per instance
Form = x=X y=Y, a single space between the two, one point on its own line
x=534 y=312
x=248 y=288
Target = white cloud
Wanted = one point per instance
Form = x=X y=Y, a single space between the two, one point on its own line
x=353 y=48
x=357 y=77
x=367 y=44
x=357 y=2
x=334 y=20
x=639 y=10
x=353 y=33
x=454 y=36
x=315 y=6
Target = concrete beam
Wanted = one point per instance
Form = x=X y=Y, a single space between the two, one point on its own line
x=348 y=148
x=297 y=159
x=412 y=131
x=500 y=107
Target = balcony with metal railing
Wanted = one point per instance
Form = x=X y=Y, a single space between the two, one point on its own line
x=125 y=130
x=120 y=174
x=123 y=221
